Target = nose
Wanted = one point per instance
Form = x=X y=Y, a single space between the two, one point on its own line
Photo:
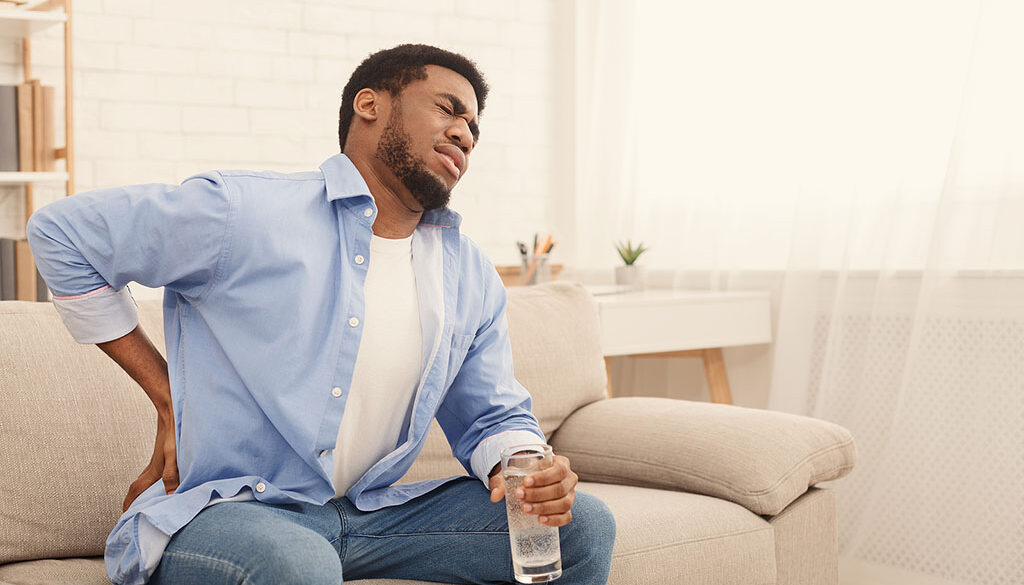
x=459 y=134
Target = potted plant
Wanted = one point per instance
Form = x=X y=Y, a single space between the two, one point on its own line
x=630 y=274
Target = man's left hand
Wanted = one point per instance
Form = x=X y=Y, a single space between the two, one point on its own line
x=549 y=493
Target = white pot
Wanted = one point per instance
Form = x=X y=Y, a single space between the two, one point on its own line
x=631 y=275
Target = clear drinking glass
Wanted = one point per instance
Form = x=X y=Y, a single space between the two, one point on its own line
x=536 y=555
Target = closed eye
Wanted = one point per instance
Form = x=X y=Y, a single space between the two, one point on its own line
x=458 y=108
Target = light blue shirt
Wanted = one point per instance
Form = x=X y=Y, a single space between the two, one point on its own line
x=263 y=304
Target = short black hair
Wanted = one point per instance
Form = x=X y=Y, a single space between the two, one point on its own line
x=393 y=69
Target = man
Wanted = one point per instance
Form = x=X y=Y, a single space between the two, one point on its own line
x=315 y=324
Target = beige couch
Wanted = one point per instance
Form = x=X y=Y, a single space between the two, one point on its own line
x=701 y=493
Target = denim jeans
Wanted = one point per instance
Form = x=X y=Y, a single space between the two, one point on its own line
x=453 y=534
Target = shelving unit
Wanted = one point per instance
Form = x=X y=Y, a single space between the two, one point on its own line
x=22 y=23
x=18 y=177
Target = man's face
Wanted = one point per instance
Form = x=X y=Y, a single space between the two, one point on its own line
x=429 y=135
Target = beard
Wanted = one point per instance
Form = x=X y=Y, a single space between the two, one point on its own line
x=393 y=150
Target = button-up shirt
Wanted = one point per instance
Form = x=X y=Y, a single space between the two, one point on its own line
x=263 y=279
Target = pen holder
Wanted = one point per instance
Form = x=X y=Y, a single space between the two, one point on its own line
x=537 y=270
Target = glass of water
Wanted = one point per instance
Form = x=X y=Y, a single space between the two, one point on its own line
x=536 y=555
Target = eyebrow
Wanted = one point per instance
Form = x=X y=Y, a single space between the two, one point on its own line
x=460 y=108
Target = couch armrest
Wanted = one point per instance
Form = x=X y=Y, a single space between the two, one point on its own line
x=760 y=459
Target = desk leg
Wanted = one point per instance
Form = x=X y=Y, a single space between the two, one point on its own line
x=714 y=369
x=718 y=382
x=607 y=377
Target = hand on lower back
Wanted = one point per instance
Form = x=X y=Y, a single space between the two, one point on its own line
x=137 y=356
x=163 y=465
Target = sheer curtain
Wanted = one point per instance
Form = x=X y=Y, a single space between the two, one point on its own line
x=866 y=162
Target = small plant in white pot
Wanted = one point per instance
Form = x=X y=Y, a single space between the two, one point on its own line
x=630 y=274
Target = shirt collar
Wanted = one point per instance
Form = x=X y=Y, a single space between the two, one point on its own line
x=343 y=181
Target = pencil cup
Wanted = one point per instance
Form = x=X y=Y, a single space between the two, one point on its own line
x=537 y=270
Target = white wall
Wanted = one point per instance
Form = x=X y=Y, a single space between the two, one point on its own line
x=167 y=89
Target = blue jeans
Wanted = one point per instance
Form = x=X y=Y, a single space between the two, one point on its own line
x=453 y=534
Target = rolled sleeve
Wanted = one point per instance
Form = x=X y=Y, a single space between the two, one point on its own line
x=88 y=247
x=102 y=315
x=488 y=453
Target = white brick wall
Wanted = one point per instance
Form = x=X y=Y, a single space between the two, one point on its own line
x=167 y=89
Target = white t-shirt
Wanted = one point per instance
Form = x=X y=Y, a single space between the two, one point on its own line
x=387 y=370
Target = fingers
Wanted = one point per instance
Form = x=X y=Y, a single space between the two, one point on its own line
x=170 y=478
x=149 y=477
x=550 y=493
x=497 y=488
x=170 y=468
x=552 y=475
x=551 y=507
x=128 y=499
x=556 y=519
x=552 y=483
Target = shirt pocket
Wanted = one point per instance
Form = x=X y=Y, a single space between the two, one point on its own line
x=457 y=355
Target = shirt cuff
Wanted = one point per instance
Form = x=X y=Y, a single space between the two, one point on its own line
x=488 y=453
x=99 y=316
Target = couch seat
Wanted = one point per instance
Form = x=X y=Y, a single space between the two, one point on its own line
x=662 y=537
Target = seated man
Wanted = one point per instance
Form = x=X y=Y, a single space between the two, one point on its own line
x=316 y=323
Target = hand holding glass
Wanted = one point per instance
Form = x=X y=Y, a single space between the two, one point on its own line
x=536 y=555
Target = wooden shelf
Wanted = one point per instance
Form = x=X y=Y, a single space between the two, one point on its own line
x=17 y=177
x=16 y=23
x=22 y=23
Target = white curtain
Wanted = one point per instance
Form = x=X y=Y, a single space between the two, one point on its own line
x=866 y=162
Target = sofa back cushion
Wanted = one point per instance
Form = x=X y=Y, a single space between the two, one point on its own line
x=556 y=349
x=75 y=430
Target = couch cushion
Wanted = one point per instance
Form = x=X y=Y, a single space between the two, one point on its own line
x=76 y=432
x=81 y=571
x=675 y=537
x=555 y=331
x=90 y=571
x=760 y=459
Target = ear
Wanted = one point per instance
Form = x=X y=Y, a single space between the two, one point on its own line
x=366 y=104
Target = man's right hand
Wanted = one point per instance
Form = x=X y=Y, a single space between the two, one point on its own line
x=163 y=465
x=137 y=356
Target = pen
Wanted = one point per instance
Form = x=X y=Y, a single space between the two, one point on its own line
x=544 y=246
x=538 y=250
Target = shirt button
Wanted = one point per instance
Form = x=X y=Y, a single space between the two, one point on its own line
x=336 y=392
x=261 y=487
x=324 y=452
x=367 y=212
x=353 y=322
x=360 y=259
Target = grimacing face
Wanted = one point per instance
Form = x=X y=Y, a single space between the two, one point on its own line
x=429 y=135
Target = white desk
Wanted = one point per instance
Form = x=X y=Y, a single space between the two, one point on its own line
x=666 y=323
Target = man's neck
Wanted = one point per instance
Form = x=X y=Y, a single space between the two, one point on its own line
x=394 y=218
